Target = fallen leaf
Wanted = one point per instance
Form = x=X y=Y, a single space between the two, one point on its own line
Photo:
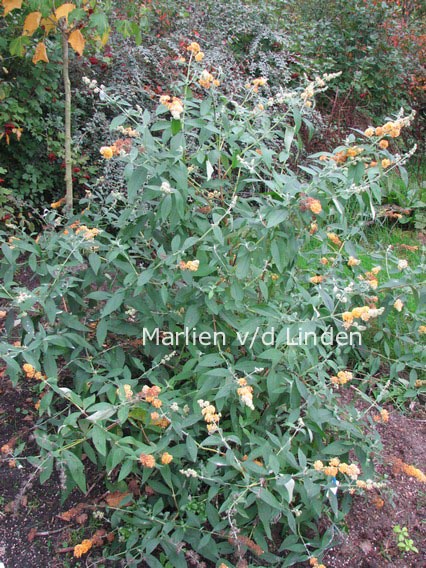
x=10 y=5
x=32 y=534
x=24 y=501
x=77 y=41
x=10 y=507
x=97 y=538
x=133 y=486
x=32 y=22
x=81 y=519
x=366 y=546
x=72 y=513
x=411 y=248
x=114 y=499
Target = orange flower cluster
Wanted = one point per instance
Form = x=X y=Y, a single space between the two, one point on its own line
x=371 y=278
x=393 y=129
x=120 y=147
x=256 y=83
x=377 y=502
x=343 y=155
x=207 y=80
x=364 y=313
x=335 y=466
x=211 y=416
x=383 y=416
x=83 y=548
x=150 y=394
x=107 y=152
x=128 y=131
x=191 y=265
x=401 y=467
x=334 y=239
x=7 y=448
x=174 y=104
x=88 y=234
x=147 y=460
x=316 y=279
x=166 y=458
x=314 y=562
x=31 y=373
x=313 y=204
x=194 y=48
x=128 y=393
x=342 y=378
x=245 y=392
x=353 y=261
x=158 y=420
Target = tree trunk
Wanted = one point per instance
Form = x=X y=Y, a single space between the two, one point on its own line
x=68 y=157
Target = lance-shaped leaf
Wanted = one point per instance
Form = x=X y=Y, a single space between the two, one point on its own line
x=32 y=22
x=77 y=41
x=10 y=5
x=40 y=54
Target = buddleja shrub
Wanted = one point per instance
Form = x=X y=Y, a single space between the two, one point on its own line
x=229 y=446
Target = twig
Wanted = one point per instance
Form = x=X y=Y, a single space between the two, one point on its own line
x=47 y=533
x=65 y=550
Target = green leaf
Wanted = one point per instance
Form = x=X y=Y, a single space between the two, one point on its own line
x=145 y=276
x=101 y=331
x=17 y=46
x=113 y=304
x=192 y=448
x=136 y=181
x=192 y=317
x=95 y=262
x=126 y=469
x=267 y=497
x=76 y=468
x=99 y=439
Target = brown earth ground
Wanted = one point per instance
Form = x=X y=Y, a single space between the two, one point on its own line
x=33 y=536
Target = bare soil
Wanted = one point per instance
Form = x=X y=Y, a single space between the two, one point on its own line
x=369 y=541
x=33 y=536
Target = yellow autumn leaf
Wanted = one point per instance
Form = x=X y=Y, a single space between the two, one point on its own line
x=32 y=21
x=49 y=24
x=40 y=54
x=64 y=10
x=10 y=5
x=77 y=41
x=103 y=40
